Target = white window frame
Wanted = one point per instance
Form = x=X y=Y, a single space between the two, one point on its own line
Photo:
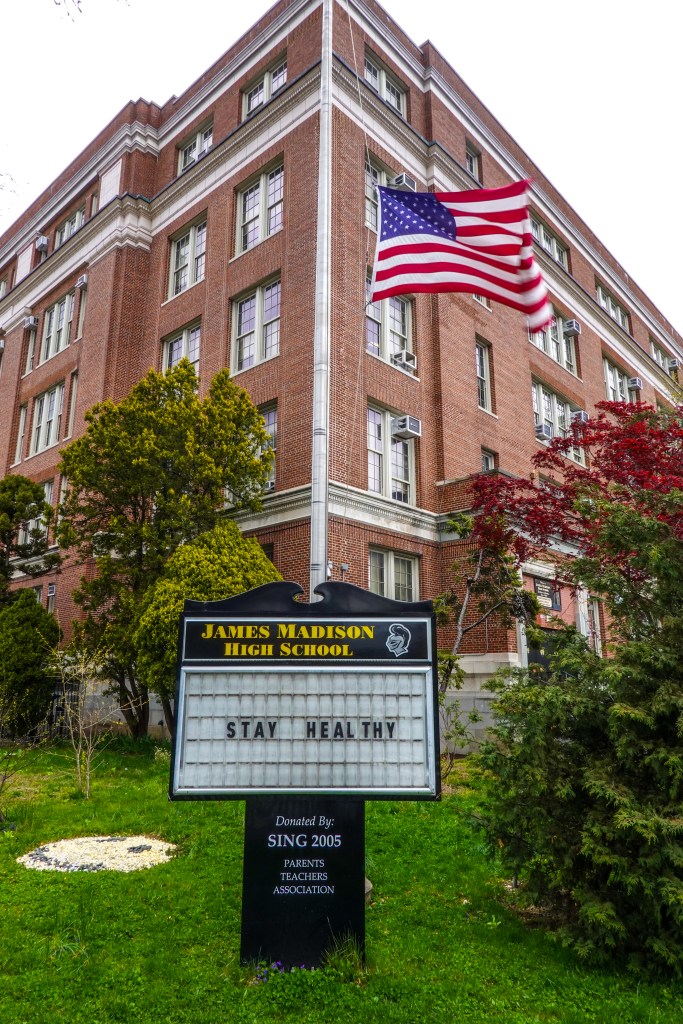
x=660 y=355
x=473 y=161
x=82 y=306
x=550 y=242
x=21 y=433
x=555 y=411
x=374 y=175
x=3 y=287
x=57 y=323
x=388 y=327
x=552 y=340
x=183 y=344
x=252 y=318
x=483 y=300
x=482 y=354
x=391 y=460
x=47 y=418
x=388 y=572
x=616 y=382
x=30 y=363
x=385 y=84
x=37 y=526
x=69 y=227
x=255 y=95
x=195 y=147
x=73 y=395
x=613 y=308
x=188 y=257
x=269 y=413
x=488 y=460
x=260 y=208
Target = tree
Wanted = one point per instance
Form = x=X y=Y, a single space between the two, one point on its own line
x=486 y=584
x=148 y=475
x=84 y=716
x=27 y=634
x=585 y=768
x=218 y=564
x=25 y=519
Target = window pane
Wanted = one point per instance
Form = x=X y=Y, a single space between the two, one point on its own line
x=403 y=578
x=279 y=76
x=376 y=581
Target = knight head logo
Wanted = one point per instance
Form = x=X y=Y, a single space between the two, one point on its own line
x=398 y=640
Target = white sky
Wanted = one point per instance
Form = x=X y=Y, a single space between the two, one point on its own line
x=591 y=89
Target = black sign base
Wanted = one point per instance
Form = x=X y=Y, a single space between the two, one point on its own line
x=303 y=891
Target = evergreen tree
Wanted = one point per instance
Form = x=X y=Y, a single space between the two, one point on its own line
x=147 y=476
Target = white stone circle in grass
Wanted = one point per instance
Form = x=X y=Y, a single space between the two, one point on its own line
x=99 y=853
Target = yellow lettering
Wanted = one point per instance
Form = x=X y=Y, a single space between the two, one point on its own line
x=286 y=629
x=208 y=631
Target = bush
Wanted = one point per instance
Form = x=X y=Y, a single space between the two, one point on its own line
x=28 y=634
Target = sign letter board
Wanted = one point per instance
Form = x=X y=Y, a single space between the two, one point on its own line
x=305 y=710
x=333 y=698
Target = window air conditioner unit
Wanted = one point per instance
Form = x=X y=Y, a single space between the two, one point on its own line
x=674 y=365
x=82 y=281
x=30 y=322
x=41 y=243
x=270 y=486
x=405 y=359
x=635 y=384
x=404 y=182
x=51 y=589
x=571 y=329
x=406 y=427
x=544 y=431
x=580 y=416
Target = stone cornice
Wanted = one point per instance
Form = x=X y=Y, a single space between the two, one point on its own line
x=123 y=221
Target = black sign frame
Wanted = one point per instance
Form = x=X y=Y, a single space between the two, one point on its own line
x=319 y=630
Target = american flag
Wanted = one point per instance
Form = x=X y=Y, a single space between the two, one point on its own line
x=478 y=241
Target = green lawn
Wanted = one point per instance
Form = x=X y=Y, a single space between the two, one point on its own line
x=162 y=945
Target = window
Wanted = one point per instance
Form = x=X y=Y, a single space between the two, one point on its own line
x=21 y=433
x=47 y=418
x=482 y=300
x=616 y=383
x=611 y=306
x=195 y=147
x=483 y=376
x=73 y=394
x=57 y=330
x=38 y=592
x=374 y=175
x=257 y=326
x=555 y=343
x=270 y=418
x=81 y=313
x=34 y=529
x=473 y=161
x=552 y=416
x=183 y=345
x=51 y=597
x=392 y=575
x=266 y=86
x=3 y=287
x=388 y=329
x=188 y=258
x=548 y=241
x=68 y=227
x=30 y=351
x=659 y=355
x=391 y=460
x=386 y=85
x=488 y=460
x=594 y=637
x=260 y=208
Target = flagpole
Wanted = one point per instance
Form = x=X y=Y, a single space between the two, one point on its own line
x=321 y=330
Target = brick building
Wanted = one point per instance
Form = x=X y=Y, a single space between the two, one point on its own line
x=236 y=225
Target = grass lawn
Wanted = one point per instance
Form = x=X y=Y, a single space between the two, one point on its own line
x=162 y=945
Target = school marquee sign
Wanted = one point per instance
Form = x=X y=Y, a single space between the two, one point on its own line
x=332 y=698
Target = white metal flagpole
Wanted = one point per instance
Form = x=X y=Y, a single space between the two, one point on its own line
x=321 y=333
